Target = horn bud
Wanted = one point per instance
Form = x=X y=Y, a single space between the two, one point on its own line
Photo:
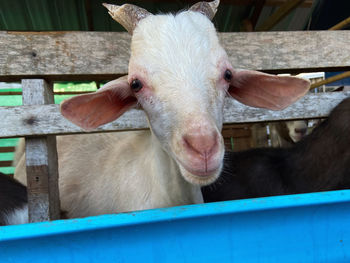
x=127 y=15
x=206 y=8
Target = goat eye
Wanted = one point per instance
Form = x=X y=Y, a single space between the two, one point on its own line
x=228 y=75
x=136 y=85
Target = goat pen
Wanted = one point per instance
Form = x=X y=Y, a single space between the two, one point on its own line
x=307 y=227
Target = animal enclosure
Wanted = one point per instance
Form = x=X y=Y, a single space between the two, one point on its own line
x=37 y=59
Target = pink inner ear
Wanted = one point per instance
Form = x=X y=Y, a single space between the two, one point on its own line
x=262 y=90
x=92 y=110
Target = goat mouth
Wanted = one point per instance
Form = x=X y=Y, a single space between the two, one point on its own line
x=297 y=137
x=201 y=167
x=199 y=177
x=201 y=173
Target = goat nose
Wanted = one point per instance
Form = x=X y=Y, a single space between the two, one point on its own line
x=300 y=130
x=202 y=144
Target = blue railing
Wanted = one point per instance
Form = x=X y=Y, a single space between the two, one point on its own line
x=311 y=227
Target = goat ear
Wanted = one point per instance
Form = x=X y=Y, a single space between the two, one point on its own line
x=262 y=90
x=107 y=104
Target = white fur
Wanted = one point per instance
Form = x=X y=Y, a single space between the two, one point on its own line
x=116 y=172
x=181 y=63
x=292 y=125
x=17 y=216
x=183 y=69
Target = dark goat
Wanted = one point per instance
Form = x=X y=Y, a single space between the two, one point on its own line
x=13 y=201
x=319 y=162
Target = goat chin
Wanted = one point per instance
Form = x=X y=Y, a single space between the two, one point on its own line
x=201 y=180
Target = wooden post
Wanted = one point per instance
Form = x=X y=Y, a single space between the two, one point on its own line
x=41 y=158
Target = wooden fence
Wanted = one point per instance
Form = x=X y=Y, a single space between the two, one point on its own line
x=38 y=59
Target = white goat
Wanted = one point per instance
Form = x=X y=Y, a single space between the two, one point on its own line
x=179 y=74
x=282 y=134
x=287 y=133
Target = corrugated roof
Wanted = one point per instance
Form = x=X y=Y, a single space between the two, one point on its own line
x=83 y=15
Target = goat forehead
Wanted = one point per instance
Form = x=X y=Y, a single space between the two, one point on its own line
x=179 y=54
x=180 y=45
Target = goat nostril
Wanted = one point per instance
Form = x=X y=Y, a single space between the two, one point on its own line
x=189 y=144
x=202 y=145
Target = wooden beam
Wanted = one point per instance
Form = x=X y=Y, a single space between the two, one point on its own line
x=38 y=120
x=63 y=53
x=68 y=55
x=282 y=12
x=341 y=25
x=331 y=79
x=288 y=51
x=41 y=159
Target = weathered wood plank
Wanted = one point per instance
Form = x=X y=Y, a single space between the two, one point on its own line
x=63 y=53
x=288 y=51
x=311 y=106
x=105 y=55
x=41 y=160
x=46 y=119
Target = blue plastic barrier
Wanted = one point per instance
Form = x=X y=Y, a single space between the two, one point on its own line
x=296 y=228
